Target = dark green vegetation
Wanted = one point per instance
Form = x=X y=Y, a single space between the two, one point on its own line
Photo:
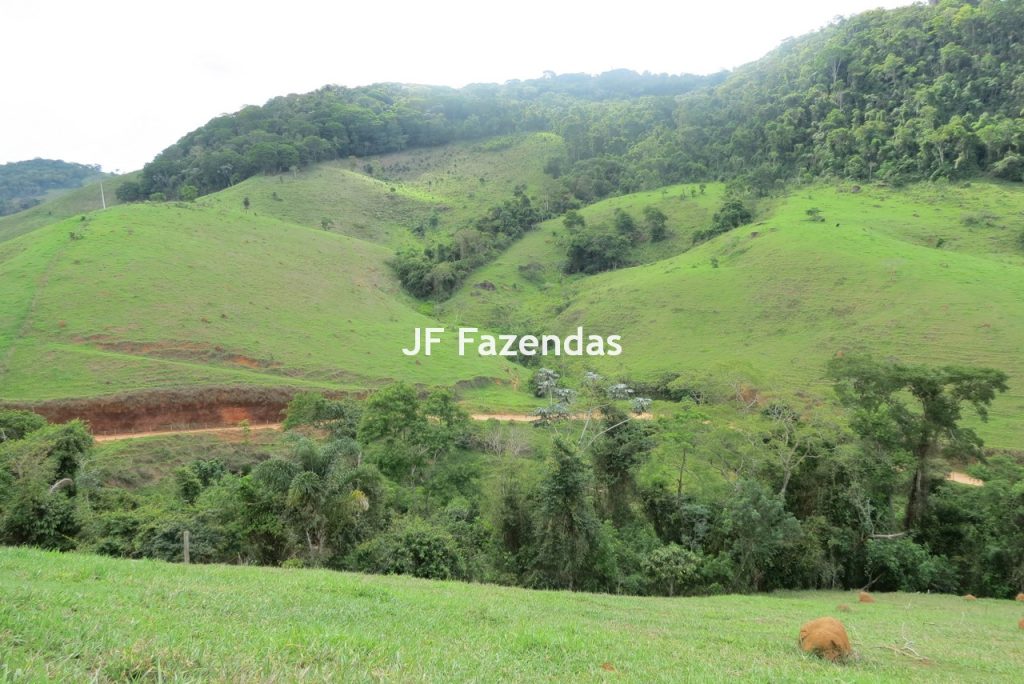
x=920 y=92
x=337 y=123
x=24 y=184
x=719 y=497
x=216 y=623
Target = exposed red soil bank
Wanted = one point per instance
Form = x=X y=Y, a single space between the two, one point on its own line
x=169 y=410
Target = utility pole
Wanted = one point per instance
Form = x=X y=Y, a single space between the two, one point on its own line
x=103 y=198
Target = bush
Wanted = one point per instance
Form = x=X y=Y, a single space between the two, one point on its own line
x=903 y=565
x=593 y=251
x=673 y=570
x=16 y=424
x=730 y=215
x=415 y=547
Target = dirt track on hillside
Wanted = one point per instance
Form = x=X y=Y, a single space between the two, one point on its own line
x=229 y=429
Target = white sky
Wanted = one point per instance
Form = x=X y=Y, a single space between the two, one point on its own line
x=114 y=82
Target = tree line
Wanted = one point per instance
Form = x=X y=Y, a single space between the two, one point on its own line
x=725 y=493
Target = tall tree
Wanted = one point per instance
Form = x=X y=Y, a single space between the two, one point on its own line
x=916 y=410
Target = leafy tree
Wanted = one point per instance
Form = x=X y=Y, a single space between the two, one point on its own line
x=673 y=570
x=915 y=410
x=655 y=221
x=573 y=220
x=129 y=191
x=414 y=548
x=596 y=250
x=15 y=424
x=617 y=454
x=340 y=417
x=758 y=528
x=568 y=531
x=626 y=225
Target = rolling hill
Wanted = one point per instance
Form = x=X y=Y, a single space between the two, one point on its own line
x=166 y=296
x=931 y=274
x=160 y=296
x=67 y=203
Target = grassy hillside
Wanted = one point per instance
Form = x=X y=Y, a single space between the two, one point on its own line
x=76 y=617
x=63 y=205
x=383 y=198
x=172 y=295
x=519 y=297
x=933 y=273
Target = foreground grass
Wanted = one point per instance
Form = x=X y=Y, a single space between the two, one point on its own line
x=77 y=618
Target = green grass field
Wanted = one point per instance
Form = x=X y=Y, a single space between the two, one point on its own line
x=768 y=304
x=169 y=295
x=405 y=189
x=63 y=205
x=75 y=617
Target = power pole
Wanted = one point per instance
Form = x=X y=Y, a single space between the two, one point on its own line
x=103 y=198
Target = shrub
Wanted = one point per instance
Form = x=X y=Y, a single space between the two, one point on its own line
x=414 y=547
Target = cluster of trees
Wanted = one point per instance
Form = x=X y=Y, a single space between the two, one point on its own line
x=439 y=268
x=777 y=496
x=602 y=247
x=23 y=184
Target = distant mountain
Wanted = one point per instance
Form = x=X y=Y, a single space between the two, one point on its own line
x=24 y=184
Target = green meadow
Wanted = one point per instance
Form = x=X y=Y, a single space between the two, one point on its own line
x=169 y=295
x=222 y=623
x=933 y=274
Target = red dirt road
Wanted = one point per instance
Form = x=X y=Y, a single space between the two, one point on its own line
x=229 y=429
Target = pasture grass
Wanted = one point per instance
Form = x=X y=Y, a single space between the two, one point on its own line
x=76 y=617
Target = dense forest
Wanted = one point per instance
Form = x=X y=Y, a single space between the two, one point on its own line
x=23 y=184
x=774 y=495
x=914 y=93
x=336 y=122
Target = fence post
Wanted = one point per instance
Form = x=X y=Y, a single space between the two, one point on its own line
x=185 y=536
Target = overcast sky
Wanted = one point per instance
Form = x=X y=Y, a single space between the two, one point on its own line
x=115 y=82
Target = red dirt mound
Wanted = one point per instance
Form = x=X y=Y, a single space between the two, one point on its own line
x=826 y=638
x=1021 y=623
x=970 y=597
x=1020 y=596
x=865 y=597
x=843 y=608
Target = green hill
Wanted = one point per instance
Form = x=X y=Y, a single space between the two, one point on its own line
x=933 y=273
x=76 y=617
x=67 y=203
x=25 y=184
x=383 y=198
x=170 y=295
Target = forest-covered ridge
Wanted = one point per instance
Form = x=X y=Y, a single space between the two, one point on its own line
x=907 y=94
x=23 y=184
